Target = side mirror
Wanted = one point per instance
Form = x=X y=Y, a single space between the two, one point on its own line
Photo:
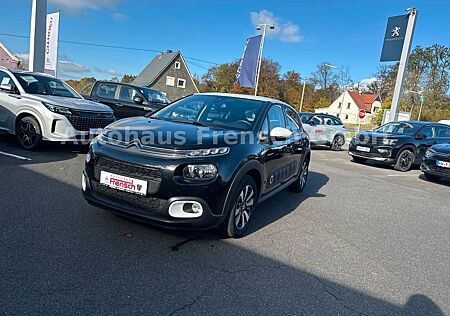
x=138 y=99
x=280 y=133
x=312 y=123
x=8 y=87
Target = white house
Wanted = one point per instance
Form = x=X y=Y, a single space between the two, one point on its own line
x=348 y=104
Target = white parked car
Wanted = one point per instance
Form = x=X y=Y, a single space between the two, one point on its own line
x=446 y=122
x=37 y=107
x=324 y=129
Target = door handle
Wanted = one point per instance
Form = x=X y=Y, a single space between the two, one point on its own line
x=119 y=104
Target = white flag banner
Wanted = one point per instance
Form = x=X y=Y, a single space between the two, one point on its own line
x=51 y=43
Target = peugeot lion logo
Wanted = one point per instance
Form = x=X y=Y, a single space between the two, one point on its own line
x=139 y=187
x=395 y=31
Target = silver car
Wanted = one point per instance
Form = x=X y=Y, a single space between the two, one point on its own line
x=37 y=107
x=324 y=129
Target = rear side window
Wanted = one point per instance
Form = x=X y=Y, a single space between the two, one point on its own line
x=127 y=93
x=294 y=122
x=328 y=120
x=427 y=131
x=276 y=117
x=337 y=121
x=442 y=132
x=317 y=120
x=107 y=90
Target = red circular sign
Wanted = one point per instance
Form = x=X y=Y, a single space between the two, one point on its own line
x=362 y=113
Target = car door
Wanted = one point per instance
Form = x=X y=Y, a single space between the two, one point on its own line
x=426 y=140
x=317 y=133
x=297 y=141
x=106 y=93
x=275 y=152
x=127 y=106
x=8 y=103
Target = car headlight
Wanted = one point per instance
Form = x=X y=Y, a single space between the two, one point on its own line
x=200 y=172
x=208 y=152
x=389 y=141
x=429 y=153
x=57 y=109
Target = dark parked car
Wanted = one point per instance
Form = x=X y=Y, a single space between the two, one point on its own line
x=231 y=152
x=400 y=144
x=126 y=100
x=436 y=163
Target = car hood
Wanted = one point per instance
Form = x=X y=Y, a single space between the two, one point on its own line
x=174 y=135
x=72 y=103
x=442 y=148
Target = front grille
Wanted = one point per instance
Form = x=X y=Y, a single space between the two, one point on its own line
x=83 y=121
x=128 y=169
x=139 y=201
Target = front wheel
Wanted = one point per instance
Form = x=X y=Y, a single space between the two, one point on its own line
x=404 y=161
x=28 y=133
x=241 y=208
x=337 y=143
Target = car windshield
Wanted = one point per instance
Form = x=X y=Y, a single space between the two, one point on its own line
x=397 y=128
x=36 y=84
x=210 y=110
x=154 y=96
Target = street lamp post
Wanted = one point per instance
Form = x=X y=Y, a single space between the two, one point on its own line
x=263 y=27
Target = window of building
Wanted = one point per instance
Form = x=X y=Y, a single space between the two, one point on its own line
x=170 y=81
x=181 y=83
x=346 y=116
x=340 y=105
x=177 y=65
x=349 y=105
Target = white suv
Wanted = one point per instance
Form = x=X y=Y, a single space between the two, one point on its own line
x=37 y=107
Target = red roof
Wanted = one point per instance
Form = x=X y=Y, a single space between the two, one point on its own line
x=364 y=100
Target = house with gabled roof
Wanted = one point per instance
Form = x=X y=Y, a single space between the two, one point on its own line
x=348 y=105
x=168 y=73
x=7 y=58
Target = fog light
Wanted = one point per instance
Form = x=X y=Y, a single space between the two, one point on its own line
x=383 y=151
x=83 y=182
x=185 y=209
x=88 y=156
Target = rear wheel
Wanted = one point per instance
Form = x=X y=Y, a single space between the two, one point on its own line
x=405 y=160
x=359 y=159
x=28 y=133
x=431 y=177
x=241 y=208
x=302 y=178
x=337 y=143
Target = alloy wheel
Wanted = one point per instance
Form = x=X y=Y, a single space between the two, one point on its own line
x=406 y=160
x=304 y=174
x=337 y=143
x=27 y=134
x=244 y=206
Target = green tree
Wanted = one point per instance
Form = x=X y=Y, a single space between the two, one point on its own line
x=127 y=78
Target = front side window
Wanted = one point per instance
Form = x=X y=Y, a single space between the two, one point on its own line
x=5 y=79
x=211 y=110
x=427 y=131
x=294 y=122
x=316 y=120
x=276 y=117
x=127 y=93
x=45 y=85
x=154 y=96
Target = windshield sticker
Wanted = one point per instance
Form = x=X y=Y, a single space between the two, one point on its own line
x=29 y=79
x=5 y=81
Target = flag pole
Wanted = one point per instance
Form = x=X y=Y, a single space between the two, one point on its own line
x=261 y=47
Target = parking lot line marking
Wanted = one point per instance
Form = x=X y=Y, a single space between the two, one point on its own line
x=14 y=156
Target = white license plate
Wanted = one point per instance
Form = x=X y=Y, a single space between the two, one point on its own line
x=443 y=164
x=364 y=149
x=95 y=131
x=123 y=183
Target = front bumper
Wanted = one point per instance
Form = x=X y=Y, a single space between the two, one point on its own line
x=429 y=166
x=382 y=154
x=147 y=209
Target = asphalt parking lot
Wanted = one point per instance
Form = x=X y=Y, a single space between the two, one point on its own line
x=360 y=240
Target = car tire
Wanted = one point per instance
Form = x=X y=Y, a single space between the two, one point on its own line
x=337 y=143
x=405 y=160
x=431 y=177
x=299 y=185
x=359 y=159
x=28 y=133
x=241 y=206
